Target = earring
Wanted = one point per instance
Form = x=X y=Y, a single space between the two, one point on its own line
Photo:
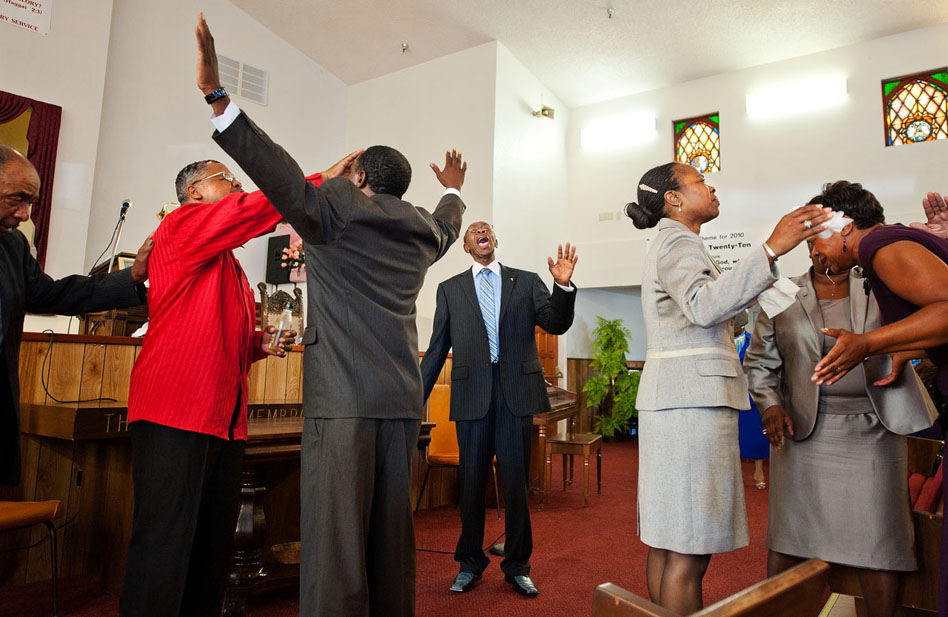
x=844 y=244
x=679 y=207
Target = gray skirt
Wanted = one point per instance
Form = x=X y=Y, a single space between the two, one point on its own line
x=842 y=495
x=691 y=491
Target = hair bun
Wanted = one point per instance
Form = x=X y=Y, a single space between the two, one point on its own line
x=641 y=218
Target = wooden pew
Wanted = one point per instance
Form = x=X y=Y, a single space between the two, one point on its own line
x=797 y=592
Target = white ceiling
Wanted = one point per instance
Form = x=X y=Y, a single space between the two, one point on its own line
x=573 y=47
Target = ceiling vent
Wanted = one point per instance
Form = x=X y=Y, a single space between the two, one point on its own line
x=247 y=82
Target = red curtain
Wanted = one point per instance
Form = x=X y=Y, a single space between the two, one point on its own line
x=43 y=135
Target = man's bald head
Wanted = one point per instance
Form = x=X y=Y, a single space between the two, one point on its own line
x=9 y=154
x=19 y=188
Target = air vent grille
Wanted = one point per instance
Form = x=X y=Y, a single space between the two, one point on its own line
x=243 y=80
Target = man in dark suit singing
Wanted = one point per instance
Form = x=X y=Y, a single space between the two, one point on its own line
x=25 y=288
x=367 y=252
x=487 y=315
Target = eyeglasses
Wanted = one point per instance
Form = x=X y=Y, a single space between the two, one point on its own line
x=226 y=175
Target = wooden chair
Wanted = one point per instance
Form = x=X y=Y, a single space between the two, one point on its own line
x=15 y=515
x=570 y=444
x=443 y=450
x=797 y=592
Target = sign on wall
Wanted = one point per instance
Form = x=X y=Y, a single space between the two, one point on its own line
x=727 y=248
x=33 y=15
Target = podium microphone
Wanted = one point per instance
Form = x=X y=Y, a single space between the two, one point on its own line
x=126 y=204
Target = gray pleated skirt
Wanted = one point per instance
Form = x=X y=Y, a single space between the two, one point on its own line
x=842 y=495
x=691 y=492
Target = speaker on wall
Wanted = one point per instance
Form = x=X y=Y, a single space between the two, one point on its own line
x=275 y=274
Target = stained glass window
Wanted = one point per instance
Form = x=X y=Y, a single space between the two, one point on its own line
x=915 y=107
x=698 y=142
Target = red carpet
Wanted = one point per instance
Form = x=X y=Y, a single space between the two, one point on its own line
x=575 y=549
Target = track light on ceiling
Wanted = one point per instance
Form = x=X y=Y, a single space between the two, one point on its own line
x=544 y=112
x=611 y=12
x=404 y=47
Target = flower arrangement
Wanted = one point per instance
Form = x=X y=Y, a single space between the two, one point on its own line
x=293 y=257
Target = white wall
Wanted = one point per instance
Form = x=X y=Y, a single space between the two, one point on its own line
x=66 y=68
x=623 y=303
x=768 y=167
x=421 y=111
x=155 y=120
x=530 y=173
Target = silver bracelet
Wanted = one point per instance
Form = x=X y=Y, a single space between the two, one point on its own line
x=770 y=252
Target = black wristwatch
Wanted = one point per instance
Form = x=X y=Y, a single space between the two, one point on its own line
x=216 y=95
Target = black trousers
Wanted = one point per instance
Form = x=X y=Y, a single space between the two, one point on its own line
x=187 y=491
x=502 y=433
x=356 y=526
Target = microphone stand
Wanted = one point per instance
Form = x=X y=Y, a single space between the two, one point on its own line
x=118 y=237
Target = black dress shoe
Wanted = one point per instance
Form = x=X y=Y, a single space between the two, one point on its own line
x=522 y=584
x=464 y=582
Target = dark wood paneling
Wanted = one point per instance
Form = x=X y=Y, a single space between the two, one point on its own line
x=85 y=444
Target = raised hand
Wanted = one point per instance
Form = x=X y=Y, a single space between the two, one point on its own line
x=562 y=268
x=452 y=176
x=287 y=338
x=140 y=267
x=343 y=167
x=777 y=425
x=850 y=349
x=936 y=213
x=208 y=77
x=795 y=227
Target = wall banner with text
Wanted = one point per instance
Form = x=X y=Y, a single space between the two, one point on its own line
x=33 y=15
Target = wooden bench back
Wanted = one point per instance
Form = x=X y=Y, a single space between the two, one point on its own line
x=797 y=592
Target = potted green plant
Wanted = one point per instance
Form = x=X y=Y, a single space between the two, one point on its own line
x=614 y=388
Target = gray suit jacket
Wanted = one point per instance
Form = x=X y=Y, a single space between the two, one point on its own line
x=689 y=307
x=366 y=259
x=525 y=303
x=784 y=350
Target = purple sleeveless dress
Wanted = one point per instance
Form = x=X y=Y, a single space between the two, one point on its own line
x=894 y=308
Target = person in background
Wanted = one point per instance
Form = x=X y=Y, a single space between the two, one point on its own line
x=691 y=492
x=25 y=288
x=839 y=450
x=752 y=440
x=487 y=315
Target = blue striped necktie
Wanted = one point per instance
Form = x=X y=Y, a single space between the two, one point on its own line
x=488 y=310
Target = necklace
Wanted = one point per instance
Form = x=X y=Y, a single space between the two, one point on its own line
x=831 y=280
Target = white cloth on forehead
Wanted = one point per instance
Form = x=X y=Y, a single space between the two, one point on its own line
x=835 y=224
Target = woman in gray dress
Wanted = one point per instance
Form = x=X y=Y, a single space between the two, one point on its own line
x=690 y=491
x=838 y=465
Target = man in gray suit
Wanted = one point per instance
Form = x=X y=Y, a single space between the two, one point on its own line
x=367 y=252
x=488 y=314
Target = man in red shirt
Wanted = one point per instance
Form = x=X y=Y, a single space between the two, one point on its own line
x=188 y=396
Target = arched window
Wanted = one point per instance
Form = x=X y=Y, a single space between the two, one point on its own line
x=915 y=108
x=698 y=143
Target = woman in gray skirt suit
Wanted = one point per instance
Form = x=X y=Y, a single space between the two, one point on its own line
x=838 y=465
x=690 y=491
